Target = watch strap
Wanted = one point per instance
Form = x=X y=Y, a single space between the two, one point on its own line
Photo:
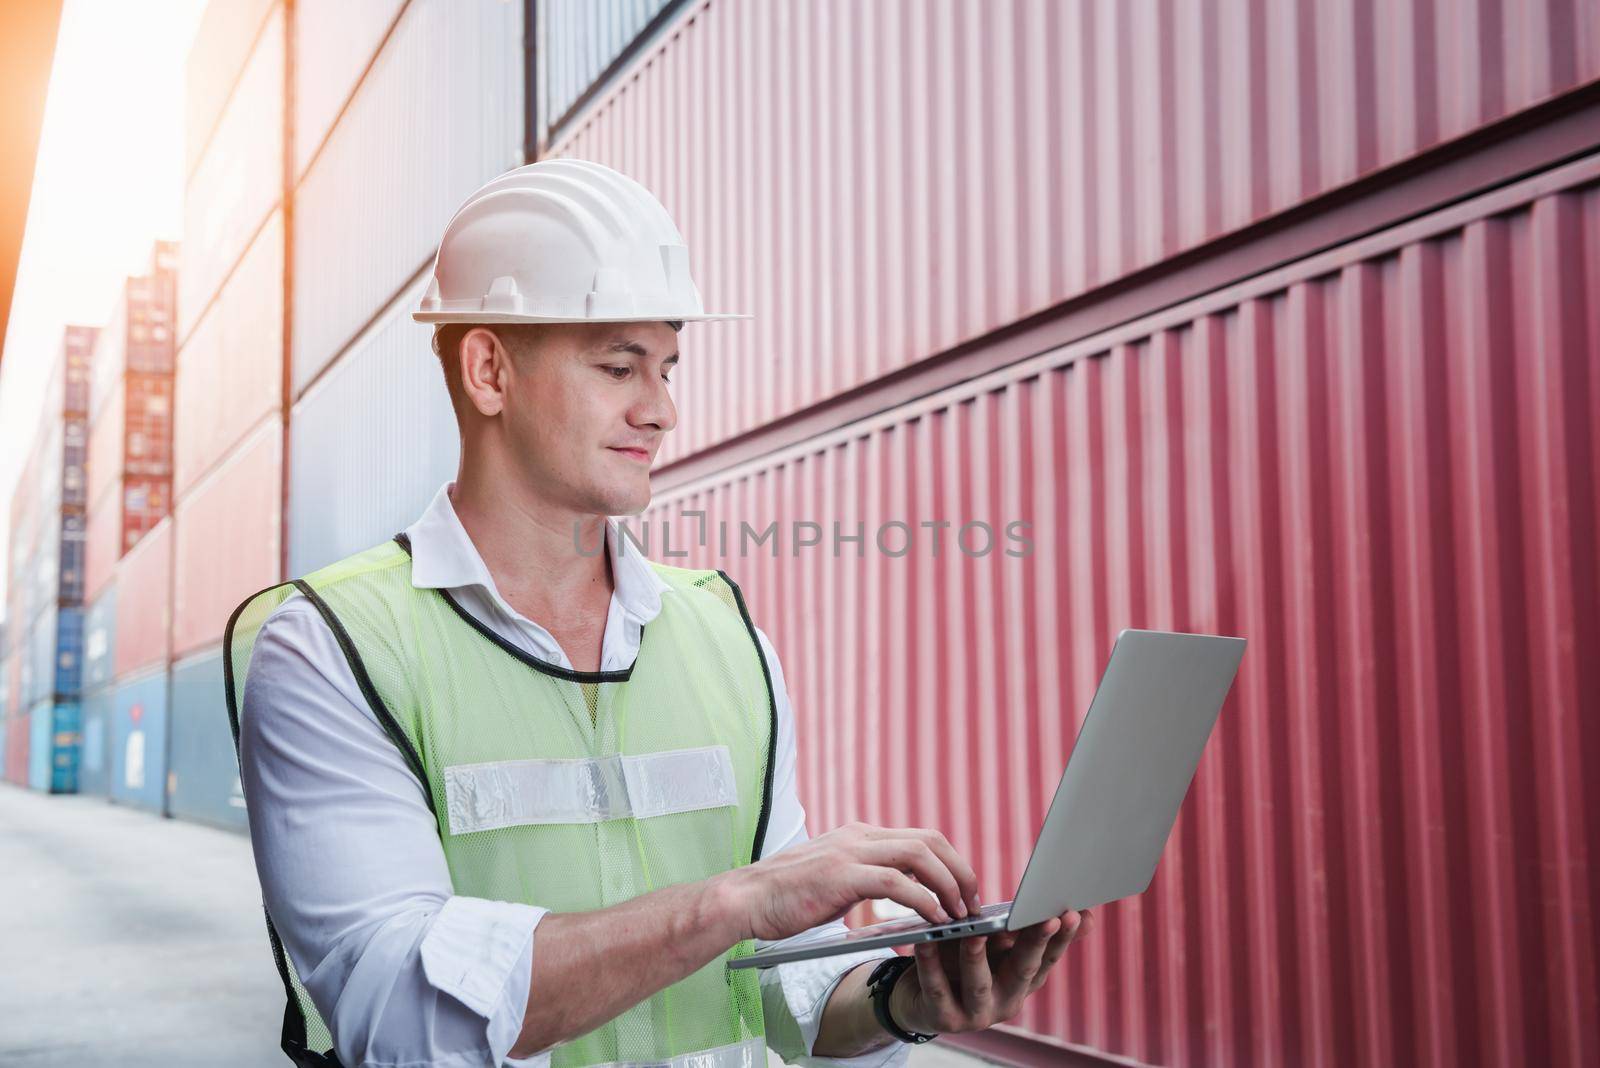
x=881 y=984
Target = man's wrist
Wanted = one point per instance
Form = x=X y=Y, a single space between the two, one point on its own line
x=898 y=1005
x=720 y=907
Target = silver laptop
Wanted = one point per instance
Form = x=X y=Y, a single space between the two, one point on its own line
x=1114 y=807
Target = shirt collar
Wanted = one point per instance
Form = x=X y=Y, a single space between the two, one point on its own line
x=443 y=557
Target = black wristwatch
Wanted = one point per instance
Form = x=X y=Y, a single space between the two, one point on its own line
x=881 y=984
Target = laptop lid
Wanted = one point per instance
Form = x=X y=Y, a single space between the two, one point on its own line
x=1128 y=773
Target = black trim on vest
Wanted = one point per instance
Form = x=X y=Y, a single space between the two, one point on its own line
x=391 y=726
x=292 y=1036
x=544 y=668
x=760 y=840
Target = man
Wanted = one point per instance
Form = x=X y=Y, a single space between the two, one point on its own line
x=484 y=839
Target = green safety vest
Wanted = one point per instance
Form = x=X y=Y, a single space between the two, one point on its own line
x=569 y=790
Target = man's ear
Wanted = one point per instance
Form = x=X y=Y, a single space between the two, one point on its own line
x=485 y=365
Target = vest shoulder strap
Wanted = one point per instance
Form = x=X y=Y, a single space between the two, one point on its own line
x=380 y=557
x=694 y=580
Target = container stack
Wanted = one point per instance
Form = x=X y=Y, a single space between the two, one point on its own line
x=228 y=473
x=129 y=541
x=45 y=614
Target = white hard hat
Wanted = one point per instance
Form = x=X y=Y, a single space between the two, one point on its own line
x=562 y=241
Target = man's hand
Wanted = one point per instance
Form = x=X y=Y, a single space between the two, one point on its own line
x=820 y=880
x=974 y=983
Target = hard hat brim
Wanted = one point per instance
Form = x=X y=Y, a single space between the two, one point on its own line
x=485 y=318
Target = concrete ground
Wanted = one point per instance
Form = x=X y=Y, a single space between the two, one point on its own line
x=132 y=940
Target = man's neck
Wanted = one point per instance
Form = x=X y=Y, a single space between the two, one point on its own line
x=532 y=552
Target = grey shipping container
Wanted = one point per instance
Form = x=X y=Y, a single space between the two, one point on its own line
x=381 y=425
x=94 y=762
x=99 y=639
x=203 y=772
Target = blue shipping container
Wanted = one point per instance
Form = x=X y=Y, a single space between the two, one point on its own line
x=73 y=548
x=69 y=652
x=53 y=746
x=41 y=724
x=66 y=740
x=139 y=741
x=94 y=753
x=204 y=777
x=99 y=640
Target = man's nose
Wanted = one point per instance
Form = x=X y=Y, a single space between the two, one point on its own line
x=656 y=409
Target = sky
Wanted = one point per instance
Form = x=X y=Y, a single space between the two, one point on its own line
x=108 y=182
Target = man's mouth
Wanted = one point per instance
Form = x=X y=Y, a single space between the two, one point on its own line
x=637 y=454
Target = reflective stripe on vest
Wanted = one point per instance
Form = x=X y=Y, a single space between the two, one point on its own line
x=751 y=1053
x=569 y=790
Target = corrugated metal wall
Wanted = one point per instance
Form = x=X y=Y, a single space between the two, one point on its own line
x=99 y=640
x=237 y=178
x=1379 y=466
x=41 y=726
x=231 y=373
x=102 y=540
x=144 y=603
x=17 y=742
x=227 y=532
x=881 y=182
x=39 y=671
x=139 y=740
x=223 y=42
x=203 y=781
x=94 y=768
x=380 y=424
x=334 y=43
x=446 y=90
x=580 y=40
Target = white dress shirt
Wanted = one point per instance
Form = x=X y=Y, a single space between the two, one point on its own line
x=404 y=970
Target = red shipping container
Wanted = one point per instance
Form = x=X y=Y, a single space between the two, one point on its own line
x=144 y=603
x=145 y=503
x=229 y=532
x=102 y=542
x=13 y=673
x=805 y=153
x=18 y=746
x=1378 y=465
x=147 y=434
x=151 y=305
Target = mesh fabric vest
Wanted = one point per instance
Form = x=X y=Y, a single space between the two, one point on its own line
x=569 y=790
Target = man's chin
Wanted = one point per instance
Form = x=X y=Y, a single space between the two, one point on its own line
x=628 y=500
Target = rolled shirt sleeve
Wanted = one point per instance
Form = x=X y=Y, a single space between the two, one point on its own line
x=402 y=969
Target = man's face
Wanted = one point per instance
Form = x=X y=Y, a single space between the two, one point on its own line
x=587 y=406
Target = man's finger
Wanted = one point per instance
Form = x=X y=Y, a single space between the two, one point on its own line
x=915 y=856
x=1023 y=961
x=1056 y=948
x=977 y=982
x=935 y=985
x=965 y=877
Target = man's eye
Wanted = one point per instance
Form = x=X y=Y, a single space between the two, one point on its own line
x=613 y=371
x=667 y=380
